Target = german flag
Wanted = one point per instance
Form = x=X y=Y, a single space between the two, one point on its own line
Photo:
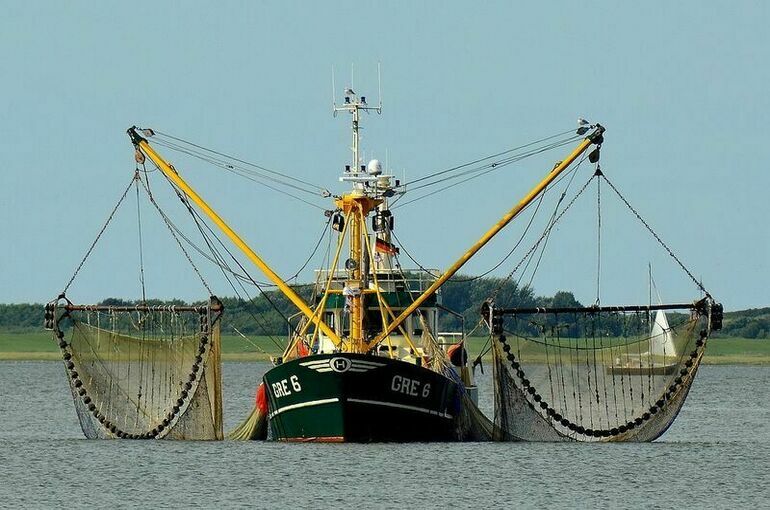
x=386 y=247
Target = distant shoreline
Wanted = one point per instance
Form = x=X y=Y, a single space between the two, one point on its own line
x=39 y=346
x=735 y=359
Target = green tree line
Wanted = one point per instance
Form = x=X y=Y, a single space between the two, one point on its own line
x=267 y=313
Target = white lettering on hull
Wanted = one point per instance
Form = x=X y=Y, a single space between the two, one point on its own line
x=282 y=389
x=411 y=387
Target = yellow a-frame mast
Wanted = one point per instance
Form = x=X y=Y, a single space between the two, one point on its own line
x=356 y=206
x=141 y=144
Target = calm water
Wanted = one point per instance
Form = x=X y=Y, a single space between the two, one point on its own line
x=715 y=456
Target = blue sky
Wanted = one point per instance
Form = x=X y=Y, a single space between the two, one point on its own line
x=681 y=88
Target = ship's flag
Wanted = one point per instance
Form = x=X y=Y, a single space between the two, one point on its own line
x=386 y=247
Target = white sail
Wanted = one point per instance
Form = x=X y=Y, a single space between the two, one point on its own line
x=661 y=337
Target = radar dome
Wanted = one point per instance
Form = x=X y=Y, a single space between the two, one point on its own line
x=374 y=167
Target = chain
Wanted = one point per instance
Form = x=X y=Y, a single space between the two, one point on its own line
x=180 y=406
x=99 y=235
x=657 y=237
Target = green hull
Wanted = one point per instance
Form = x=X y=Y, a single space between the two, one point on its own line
x=359 y=398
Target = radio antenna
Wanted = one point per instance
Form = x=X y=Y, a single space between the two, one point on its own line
x=334 y=97
x=379 y=89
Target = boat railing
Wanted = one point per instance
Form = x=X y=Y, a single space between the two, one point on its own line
x=413 y=280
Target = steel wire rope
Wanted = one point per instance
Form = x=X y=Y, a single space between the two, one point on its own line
x=545 y=233
x=485 y=273
x=479 y=172
x=598 y=235
x=171 y=228
x=249 y=279
x=246 y=175
x=141 y=247
x=215 y=252
x=233 y=158
x=500 y=163
x=238 y=170
x=324 y=231
x=572 y=172
x=202 y=253
x=199 y=220
x=508 y=151
x=556 y=208
x=548 y=229
x=238 y=263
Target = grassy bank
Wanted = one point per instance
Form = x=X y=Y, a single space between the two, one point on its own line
x=39 y=345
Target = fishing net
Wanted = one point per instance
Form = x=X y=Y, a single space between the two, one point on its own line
x=470 y=422
x=143 y=372
x=595 y=375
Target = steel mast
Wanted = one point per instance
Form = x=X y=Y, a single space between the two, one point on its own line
x=355 y=207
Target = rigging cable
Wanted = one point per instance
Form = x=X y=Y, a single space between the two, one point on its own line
x=542 y=237
x=200 y=221
x=223 y=265
x=254 y=177
x=571 y=174
x=274 y=172
x=215 y=251
x=485 y=273
x=448 y=170
x=551 y=219
x=598 y=233
x=324 y=231
x=246 y=277
x=171 y=228
x=139 y=227
x=479 y=172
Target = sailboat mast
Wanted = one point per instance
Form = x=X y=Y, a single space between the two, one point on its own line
x=649 y=285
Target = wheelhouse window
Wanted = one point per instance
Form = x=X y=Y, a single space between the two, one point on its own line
x=330 y=320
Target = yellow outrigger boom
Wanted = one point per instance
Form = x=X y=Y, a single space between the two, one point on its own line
x=141 y=144
x=596 y=137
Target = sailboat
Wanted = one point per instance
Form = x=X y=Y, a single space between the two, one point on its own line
x=659 y=359
x=364 y=362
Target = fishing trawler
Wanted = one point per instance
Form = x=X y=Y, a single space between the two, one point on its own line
x=363 y=361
